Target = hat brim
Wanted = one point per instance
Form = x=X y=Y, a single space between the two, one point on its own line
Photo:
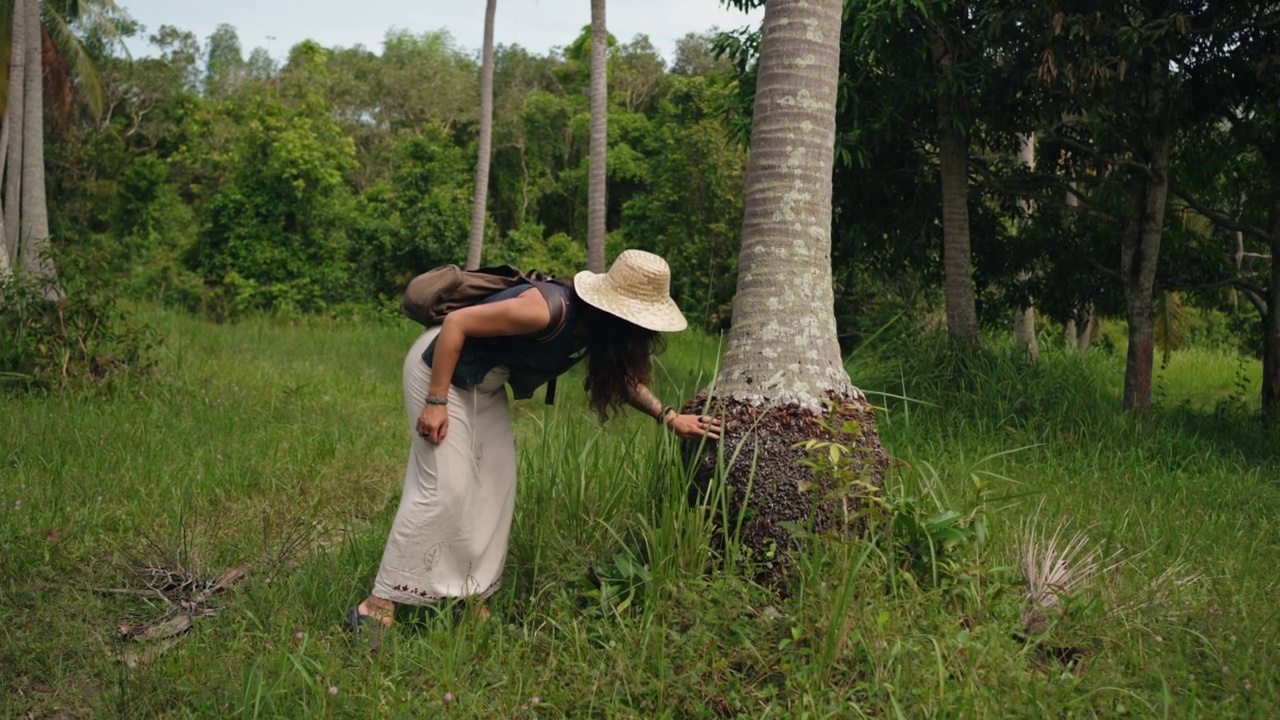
x=660 y=316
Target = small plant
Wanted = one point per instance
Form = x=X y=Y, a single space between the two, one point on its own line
x=46 y=343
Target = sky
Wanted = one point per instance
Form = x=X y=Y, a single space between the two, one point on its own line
x=537 y=25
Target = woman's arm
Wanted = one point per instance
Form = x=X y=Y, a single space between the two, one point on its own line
x=526 y=313
x=688 y=427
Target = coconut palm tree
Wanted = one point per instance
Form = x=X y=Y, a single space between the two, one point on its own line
x=596 y=174
x=476 y=245
x=782 y=365
x=34 y=27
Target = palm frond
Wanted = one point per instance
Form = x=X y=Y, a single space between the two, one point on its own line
x=72 y=52
x=1171 y=323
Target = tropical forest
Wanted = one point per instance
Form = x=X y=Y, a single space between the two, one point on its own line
x=976 y=414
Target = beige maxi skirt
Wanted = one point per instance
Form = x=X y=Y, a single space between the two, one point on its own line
x=450 y=534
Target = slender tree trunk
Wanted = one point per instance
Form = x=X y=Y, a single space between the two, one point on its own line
x=957 y=263
x=1024 y=318
x=1139 y=254
x=597 y=175
x=953 y=167
x=1271 y=320
x=14 y=115
x=1140 y=246
x=476 y=246
x=7 y=254
x=34 y=228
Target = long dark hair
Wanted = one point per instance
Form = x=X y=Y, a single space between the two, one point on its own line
x=619 y=355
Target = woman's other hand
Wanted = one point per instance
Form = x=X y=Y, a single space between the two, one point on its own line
x=433 y=423
x=693 y=427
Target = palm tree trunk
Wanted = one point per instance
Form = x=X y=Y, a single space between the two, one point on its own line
x=34 y=227
x=476 y=245
x=782 y=343
x=782 y=367
x=596 y=175
x=953 y=167
x=14 y=117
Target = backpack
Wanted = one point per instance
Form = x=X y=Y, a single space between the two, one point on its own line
x=439 y=291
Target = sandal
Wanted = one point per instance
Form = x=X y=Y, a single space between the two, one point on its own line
x=367 y=629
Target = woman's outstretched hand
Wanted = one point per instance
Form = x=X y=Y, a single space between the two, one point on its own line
x=433 y=423
x=694 y=427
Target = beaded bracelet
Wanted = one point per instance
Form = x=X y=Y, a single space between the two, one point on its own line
x=431 y=400
x=662 y=416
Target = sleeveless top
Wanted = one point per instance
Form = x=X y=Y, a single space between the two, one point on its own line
x=532 y=361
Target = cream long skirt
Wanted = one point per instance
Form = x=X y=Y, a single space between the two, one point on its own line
x=450 y=534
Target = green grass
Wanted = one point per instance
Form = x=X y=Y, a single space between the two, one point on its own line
x=283 y=445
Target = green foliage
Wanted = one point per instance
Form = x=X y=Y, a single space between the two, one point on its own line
x=419 y=219
x=55 y=345
x=690 y=211
x=275 y=236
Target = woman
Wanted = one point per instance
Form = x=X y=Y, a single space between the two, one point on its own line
x=449 y=539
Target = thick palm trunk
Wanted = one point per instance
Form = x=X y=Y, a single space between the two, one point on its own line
x=782 y=364
x=476 y=245
x=14 y=117
x=34 y=227
x=596 y=172
x=782 y=344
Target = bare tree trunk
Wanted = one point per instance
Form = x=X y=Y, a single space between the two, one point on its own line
x=1086 y=335
x=1271 y=319
x=14 y=116
x=782 y=343
x=1024 y=319
x=953 y=167
x=1139 y=254
x=782 y=365
x=476 y=245
x=1140 y=246
x=7 y=254
x=596 y=172
x=34 y=228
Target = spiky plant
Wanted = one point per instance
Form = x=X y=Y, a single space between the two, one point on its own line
x=1053 y=569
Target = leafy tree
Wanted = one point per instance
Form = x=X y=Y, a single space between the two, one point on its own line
x=690 y=204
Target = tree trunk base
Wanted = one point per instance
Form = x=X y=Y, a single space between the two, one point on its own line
x=760 y=461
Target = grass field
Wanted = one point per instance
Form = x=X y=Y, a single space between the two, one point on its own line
x=282 y=446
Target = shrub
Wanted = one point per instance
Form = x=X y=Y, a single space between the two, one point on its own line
x=54 y=344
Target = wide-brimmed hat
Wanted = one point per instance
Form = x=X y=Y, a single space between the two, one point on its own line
x=637 y=288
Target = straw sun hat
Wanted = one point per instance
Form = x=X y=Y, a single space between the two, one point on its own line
x=637 y=288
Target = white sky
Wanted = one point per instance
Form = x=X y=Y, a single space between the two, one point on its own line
x=537 y=25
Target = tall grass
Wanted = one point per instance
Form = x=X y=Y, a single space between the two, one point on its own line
x=282 y=445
